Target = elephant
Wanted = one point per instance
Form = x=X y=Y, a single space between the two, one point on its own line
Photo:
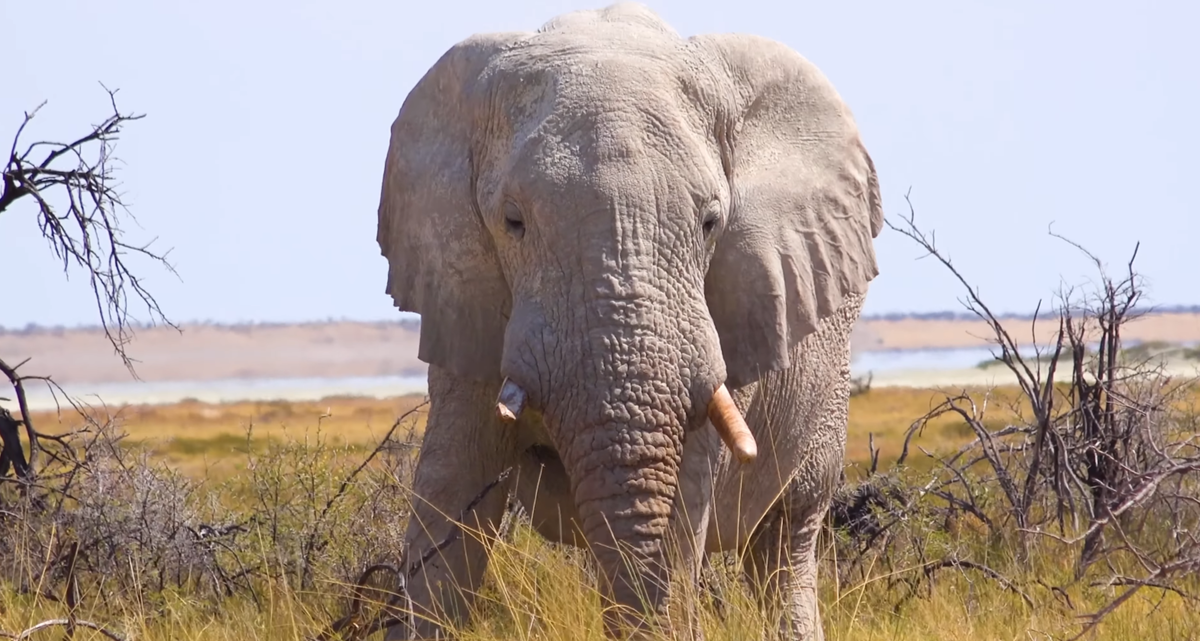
x=637 y=259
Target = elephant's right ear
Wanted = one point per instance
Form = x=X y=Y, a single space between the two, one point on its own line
x=805 y=205
x=442 y=263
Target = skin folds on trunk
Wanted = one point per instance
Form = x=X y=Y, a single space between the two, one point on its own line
x=625 y=476
x=617 y=406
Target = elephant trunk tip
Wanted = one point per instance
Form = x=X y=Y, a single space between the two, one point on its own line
x=511 y=401
x=730 y=425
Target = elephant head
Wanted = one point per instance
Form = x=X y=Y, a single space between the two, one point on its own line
x=622 y=222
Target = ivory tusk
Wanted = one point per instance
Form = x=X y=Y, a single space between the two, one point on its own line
x=510 y=402
x=729 y=423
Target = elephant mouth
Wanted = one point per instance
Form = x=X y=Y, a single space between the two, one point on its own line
x=722 y=413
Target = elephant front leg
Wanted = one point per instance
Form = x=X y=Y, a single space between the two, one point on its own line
x=465 y=448
x=782 y=567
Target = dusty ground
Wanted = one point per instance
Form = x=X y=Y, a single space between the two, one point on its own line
x=349 y=349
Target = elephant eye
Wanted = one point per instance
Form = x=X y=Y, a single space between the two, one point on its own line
x=711 y=217
x=514 y=222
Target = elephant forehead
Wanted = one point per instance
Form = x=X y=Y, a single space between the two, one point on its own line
x=591 y=126
x=601 y=136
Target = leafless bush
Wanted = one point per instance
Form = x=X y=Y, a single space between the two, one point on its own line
x=100 y=516
x=302 y=508
x=1101 y=466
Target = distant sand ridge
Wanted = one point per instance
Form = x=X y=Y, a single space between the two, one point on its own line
x=351 y=349
x=213 y=352
x=941 y=334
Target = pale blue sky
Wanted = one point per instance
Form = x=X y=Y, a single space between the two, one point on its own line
x=260 y=158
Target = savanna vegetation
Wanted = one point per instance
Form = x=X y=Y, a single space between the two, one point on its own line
x=1028 y=511
x=255 y=521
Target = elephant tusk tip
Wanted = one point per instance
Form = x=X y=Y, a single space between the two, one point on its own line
x=505 y=414
x=511 y=401
x=746 y=451
x=727 y=420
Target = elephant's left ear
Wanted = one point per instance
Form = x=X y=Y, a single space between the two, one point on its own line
x=805 y=205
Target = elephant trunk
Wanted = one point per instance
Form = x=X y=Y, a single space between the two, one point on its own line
x=622 y=442
x=616 y=403
x=625 y=487
x=617 y=399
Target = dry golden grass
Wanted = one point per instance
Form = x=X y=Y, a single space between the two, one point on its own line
x=202 y=438
x=538 y=591
x=207 y=439
x=887 y=413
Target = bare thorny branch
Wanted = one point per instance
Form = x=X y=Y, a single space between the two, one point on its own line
x=85 y=231
x=12 y=452
x=70 y=624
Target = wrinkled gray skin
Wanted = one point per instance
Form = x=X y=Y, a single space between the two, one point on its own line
x=619 y=220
